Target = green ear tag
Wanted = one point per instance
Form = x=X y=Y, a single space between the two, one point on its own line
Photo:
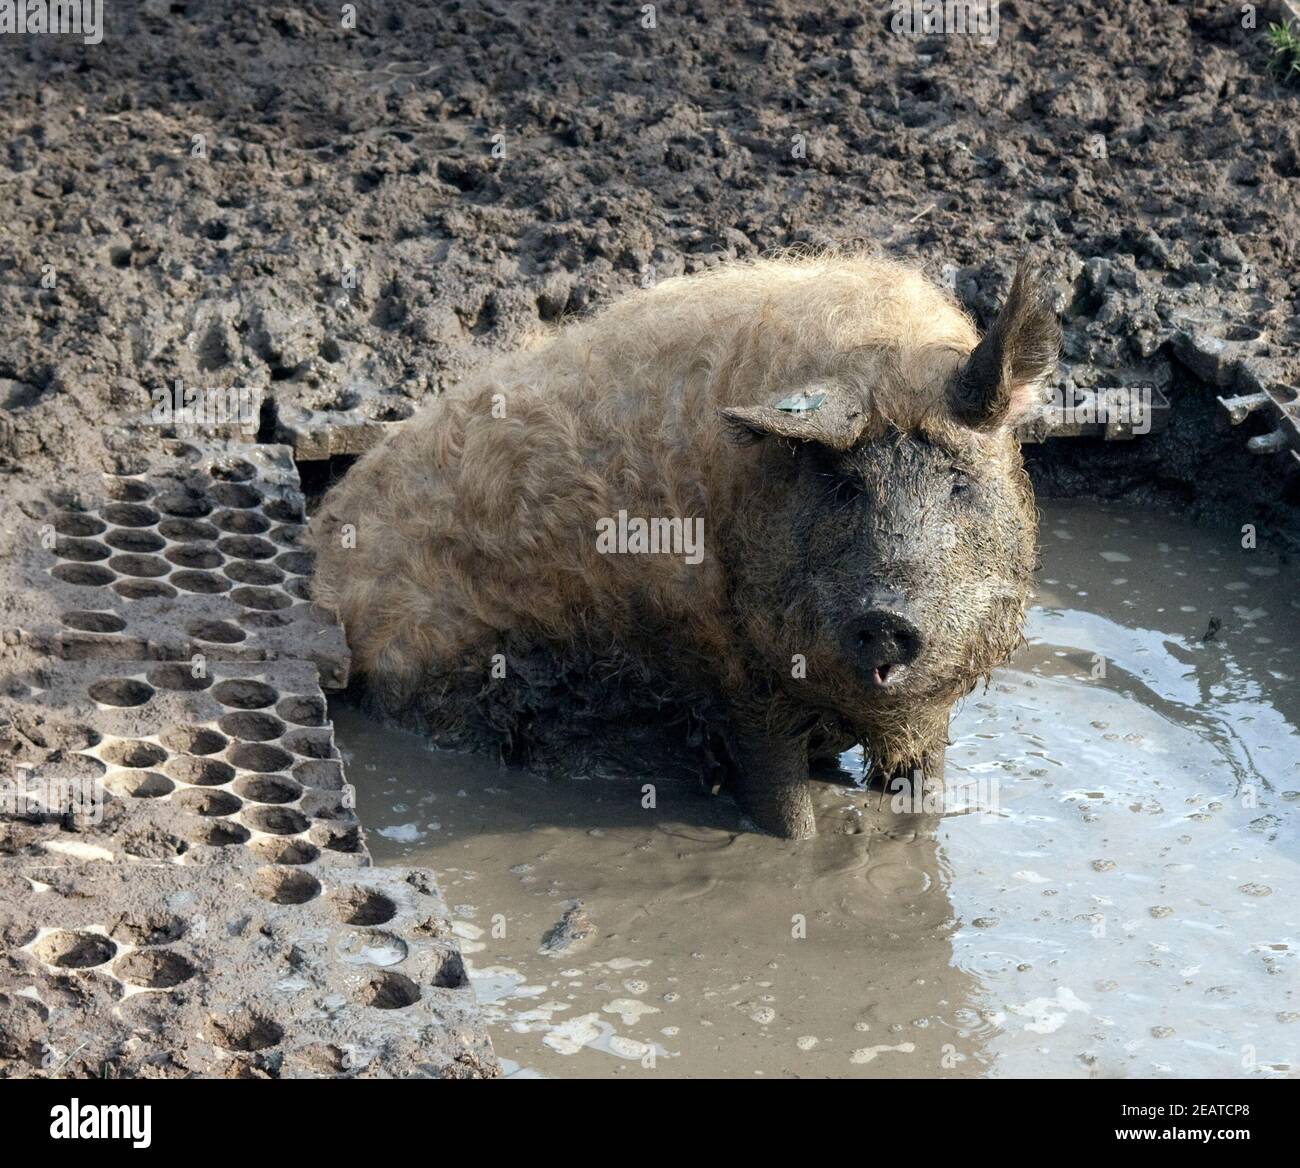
x=801 y=403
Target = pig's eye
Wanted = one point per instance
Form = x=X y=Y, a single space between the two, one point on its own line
x=961 y=485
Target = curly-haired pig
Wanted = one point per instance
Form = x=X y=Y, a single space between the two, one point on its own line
x=786 y=493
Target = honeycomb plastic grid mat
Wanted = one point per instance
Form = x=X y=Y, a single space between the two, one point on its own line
x=190 y=551
x=240 y=756
x=186 y=888
x=251 y=971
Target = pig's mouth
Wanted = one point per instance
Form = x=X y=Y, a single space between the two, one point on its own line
x=887 y=675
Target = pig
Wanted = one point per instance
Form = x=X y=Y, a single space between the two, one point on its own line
x=824 y=446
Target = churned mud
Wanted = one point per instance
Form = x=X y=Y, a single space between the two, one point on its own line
x=345 y=220
x=1109 y=889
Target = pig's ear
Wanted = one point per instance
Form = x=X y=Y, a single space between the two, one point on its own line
x=827 y=415
x=1006 y=373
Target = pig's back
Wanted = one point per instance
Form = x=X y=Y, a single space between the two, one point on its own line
x=480 y=516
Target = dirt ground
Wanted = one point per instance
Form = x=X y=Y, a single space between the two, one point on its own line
x=240 y=195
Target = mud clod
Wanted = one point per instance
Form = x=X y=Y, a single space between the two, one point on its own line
x=570 y=932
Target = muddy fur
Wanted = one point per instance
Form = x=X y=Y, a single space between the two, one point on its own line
x=461 y=553
x=567 y=712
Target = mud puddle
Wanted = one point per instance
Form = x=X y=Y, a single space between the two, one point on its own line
x=1112 y=888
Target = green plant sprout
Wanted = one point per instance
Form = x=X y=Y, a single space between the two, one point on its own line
x=1285 y=42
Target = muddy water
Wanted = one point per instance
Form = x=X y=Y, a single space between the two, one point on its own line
x=1111 y=888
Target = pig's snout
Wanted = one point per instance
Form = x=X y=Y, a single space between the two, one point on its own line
x=883 y=641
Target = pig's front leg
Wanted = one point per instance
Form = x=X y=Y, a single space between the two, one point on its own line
x=772 y=784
